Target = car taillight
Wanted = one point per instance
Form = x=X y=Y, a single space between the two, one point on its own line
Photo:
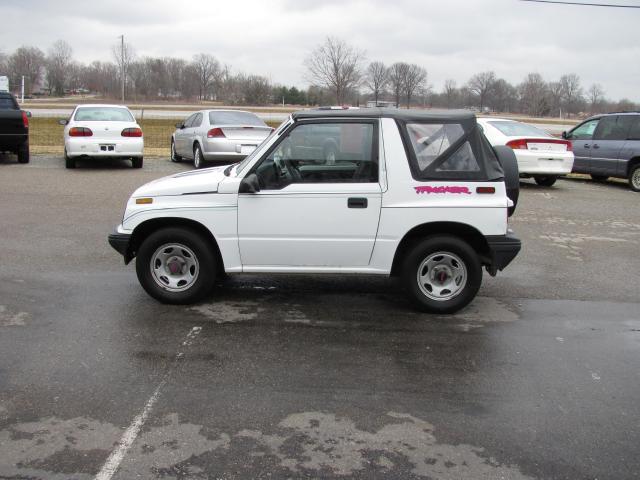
x=80 y=132
x=215 y=133
x=131 y=132
x=25 y=120
x=523 y=143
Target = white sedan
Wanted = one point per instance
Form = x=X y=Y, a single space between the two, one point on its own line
x=102 y=131
x=539 y=154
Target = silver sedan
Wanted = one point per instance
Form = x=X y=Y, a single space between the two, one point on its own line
x=217 y=135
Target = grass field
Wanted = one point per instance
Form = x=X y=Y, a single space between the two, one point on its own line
x=45 y=135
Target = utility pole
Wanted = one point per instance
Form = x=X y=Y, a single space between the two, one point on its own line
x=122 y=63
x=22 y=90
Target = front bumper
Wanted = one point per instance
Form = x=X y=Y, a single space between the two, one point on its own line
x=121 y=242
x=502 y=250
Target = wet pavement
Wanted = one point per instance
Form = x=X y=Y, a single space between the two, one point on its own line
x=313 y=377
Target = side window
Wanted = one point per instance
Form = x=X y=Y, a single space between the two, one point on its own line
x=634 y=131
x=189 y=121
x=332 y=152
x=197 y=121
x=584 y=131
x=613 y=127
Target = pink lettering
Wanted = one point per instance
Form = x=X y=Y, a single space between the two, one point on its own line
x=442 y=189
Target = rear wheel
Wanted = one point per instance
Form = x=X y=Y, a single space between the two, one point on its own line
x=23 y=153
x=634 y=178
x=68 y=161
x=176 y=265
x=441 y=274
x=198 y=161
x=599 y=178
x=546 y=180
x=137 y=162
x=174 y=156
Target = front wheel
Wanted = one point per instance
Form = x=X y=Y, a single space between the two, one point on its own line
x=198 y=161
x=176 y=265
x=441 y=274
x=546 y=180
x=634 y=178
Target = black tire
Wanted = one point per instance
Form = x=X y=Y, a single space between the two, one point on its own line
x=509 y=163
x=68 y=161
x=175 y=158
x=599 y=178
x=137 y=162
x=634 y=178
x=203 y=253
x=449 y=245
x=23 y=153
x=198 y=159
x=545 y=180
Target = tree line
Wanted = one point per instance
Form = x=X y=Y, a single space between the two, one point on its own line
x=337 y=73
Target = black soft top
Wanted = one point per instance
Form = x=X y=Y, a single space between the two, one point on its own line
x=465 y=117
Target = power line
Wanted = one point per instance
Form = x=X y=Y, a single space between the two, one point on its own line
x=583 y=4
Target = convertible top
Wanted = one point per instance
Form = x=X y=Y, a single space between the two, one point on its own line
x=465 y=117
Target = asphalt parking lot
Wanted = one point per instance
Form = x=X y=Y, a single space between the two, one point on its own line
x=313 y=377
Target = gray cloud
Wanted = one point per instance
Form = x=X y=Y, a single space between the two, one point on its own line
x=451 y=39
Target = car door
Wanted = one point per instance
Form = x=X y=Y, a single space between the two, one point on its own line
x=608 y=140
x=181 y=136
x=581 y=137
x=192 y=132
x=311 y=210
x=631 y=147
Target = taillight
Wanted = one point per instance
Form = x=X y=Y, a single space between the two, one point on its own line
x=215 y=133
x=80 y=132
x=131 y=132
x=25 y=120
x=523 y=143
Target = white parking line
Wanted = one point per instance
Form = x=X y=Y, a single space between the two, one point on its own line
x=129 y=436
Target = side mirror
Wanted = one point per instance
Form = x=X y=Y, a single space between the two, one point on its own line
x=28 y=114
x=249 y=184
x=63 y=121
x=180 y=125
x=565 y=135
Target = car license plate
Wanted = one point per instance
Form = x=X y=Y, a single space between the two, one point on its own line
x=107 y=148
x=547 y=147
x=247 y=149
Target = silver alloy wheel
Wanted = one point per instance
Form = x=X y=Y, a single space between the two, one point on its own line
x=635 y=179
x=442 y=276
x=197 y=160
x=174 y=267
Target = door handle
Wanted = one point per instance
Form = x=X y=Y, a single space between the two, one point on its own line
x=586 y=145
x=595 y=145
x=357 y=203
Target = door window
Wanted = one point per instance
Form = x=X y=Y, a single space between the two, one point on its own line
x=634 y=131
x=614 y=127
x=197 y=121
x=189 y=121
x=332 y=152
x=585 y=131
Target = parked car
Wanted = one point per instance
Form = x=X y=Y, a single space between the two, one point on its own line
x=102 y=131
x=415 y=194
x=608 y=146
x=14 y=127
x=539 y=154
x=221 y=135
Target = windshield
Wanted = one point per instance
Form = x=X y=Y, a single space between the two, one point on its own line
x=517 y=129
x=103 y=114
x=235 y=118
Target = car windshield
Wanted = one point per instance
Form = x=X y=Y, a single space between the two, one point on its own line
x=103 y=114
x=235 y=118
x=517 y=129
x=6 y=103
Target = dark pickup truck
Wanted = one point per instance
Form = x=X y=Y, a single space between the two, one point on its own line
x=14 y=128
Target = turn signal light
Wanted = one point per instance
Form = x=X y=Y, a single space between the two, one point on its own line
x=143 y=201
x=80 y=132
x=131 y=132
x=215 y=133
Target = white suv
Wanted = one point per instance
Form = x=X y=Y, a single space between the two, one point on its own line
x=417 y=194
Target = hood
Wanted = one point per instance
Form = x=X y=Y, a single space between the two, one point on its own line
x=195 y=181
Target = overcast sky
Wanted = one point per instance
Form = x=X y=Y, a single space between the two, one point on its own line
x=450 y=38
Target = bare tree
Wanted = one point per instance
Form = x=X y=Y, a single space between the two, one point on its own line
x=59 y=58
x=397 y=74
x=376 y=79
x=596 y=95
x=27 y=61
x=336 y=66
x=415 y=78
x=504 y=96
x=480 y=85
x=556 y=94
x=534 y=95
x=572 y=92
x=450 y=91
x=208 y=69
